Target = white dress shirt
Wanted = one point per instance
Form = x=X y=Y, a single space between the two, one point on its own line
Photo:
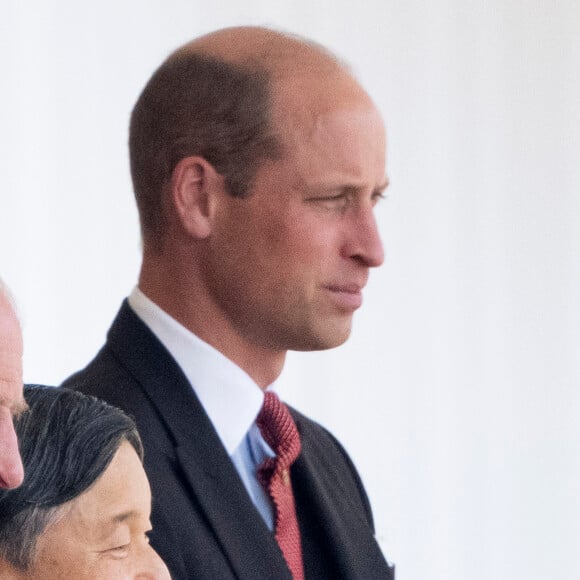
x=231 y=399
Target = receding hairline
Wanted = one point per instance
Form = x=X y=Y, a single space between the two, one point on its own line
x=299 y=69
x=275 y=51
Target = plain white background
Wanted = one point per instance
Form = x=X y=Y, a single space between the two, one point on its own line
x=458 y=393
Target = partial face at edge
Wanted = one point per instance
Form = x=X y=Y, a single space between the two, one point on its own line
x=290 y=261
x=102 y=534
x=11 y=397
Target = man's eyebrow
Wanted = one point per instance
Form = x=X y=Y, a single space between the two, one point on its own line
x=346 y=188
x=383 y=186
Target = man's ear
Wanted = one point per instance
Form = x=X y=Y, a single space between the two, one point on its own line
x=194 y=183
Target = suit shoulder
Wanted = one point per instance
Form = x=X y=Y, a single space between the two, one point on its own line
x=101 y=375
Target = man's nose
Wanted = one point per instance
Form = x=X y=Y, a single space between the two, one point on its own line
x=154 y=567
x=364 y=242
x=11 y=470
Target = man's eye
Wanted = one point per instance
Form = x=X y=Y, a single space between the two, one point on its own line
x=119 y=551
x=332 y=201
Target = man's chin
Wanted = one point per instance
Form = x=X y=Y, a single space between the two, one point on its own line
x=327 y=340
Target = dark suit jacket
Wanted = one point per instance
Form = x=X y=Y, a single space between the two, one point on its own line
x=204 y=523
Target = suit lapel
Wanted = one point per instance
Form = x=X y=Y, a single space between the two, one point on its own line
x=239 y=529
x=336 y=538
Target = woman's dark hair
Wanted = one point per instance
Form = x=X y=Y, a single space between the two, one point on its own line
x=67 y=440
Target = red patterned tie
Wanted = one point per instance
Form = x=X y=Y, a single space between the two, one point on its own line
x=279 y=431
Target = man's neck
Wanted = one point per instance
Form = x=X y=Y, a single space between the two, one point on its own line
x=263 y=365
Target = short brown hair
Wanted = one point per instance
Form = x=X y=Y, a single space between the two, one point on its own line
x=195 y=104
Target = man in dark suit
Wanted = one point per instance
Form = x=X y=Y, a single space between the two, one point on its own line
x=257 y=161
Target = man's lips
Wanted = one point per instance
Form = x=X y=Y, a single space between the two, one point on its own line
x=348 y=296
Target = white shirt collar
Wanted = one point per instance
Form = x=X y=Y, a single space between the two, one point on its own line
x=230 y=397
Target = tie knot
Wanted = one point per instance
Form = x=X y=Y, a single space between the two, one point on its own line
x=279 y=430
